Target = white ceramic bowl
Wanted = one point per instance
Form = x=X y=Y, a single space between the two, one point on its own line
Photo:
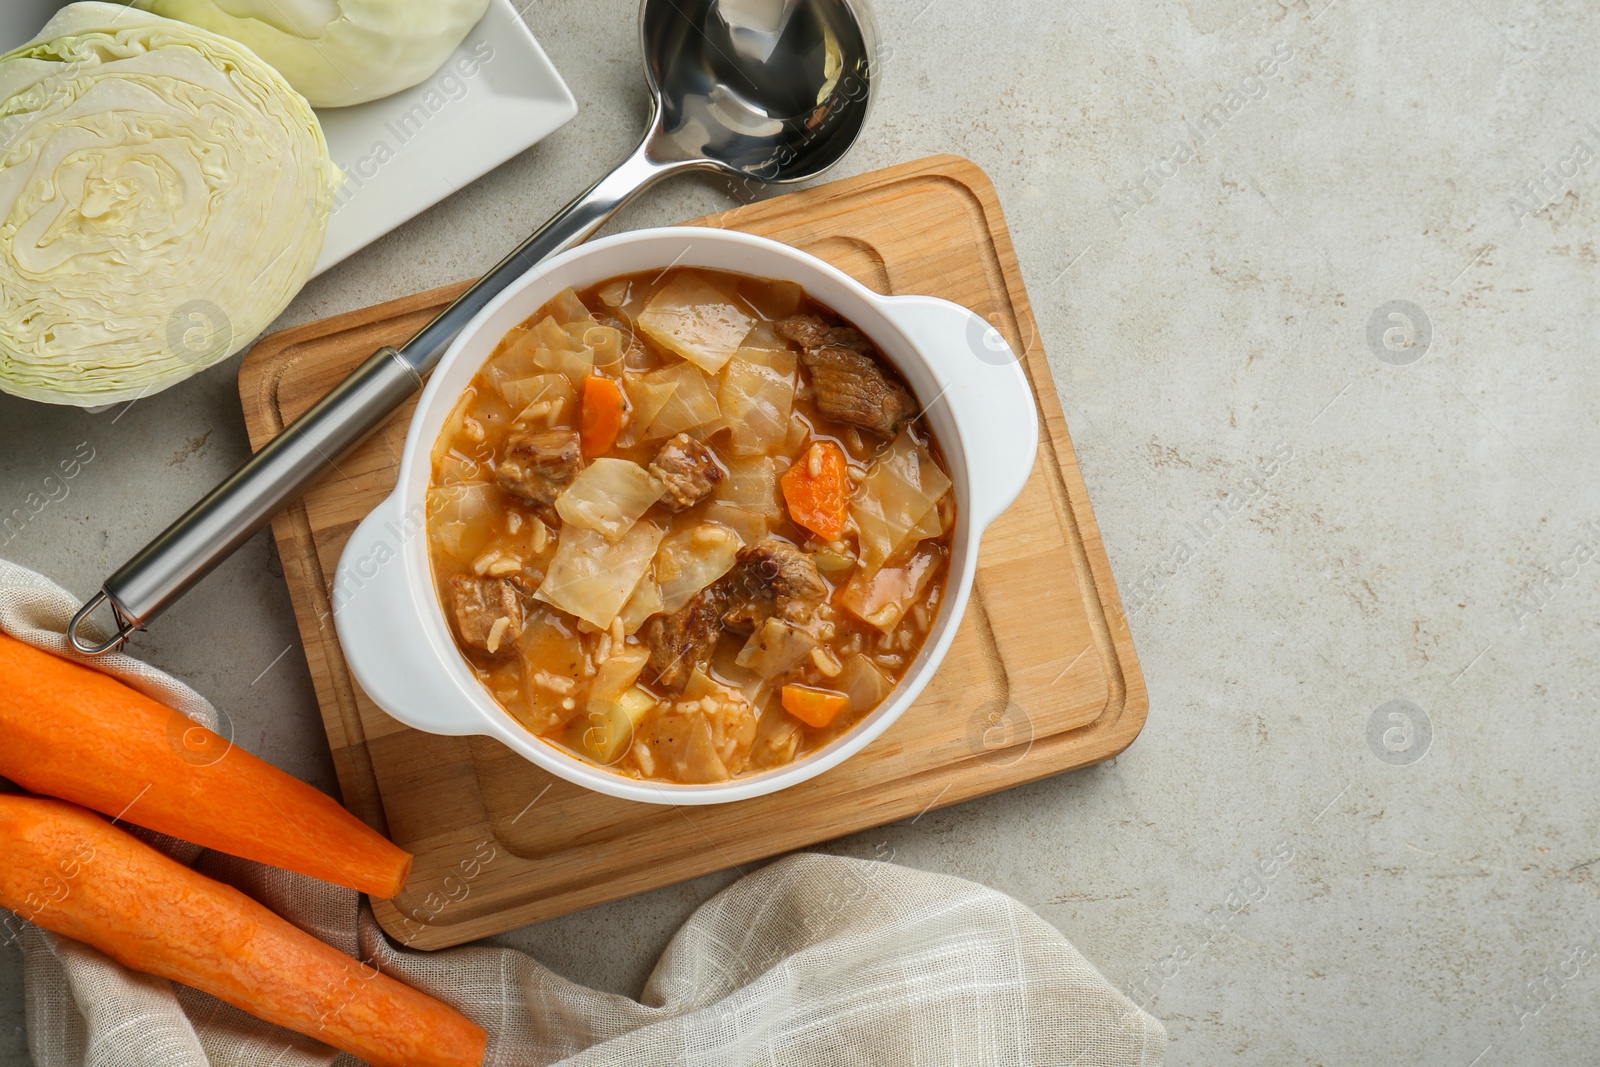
x=389 y=619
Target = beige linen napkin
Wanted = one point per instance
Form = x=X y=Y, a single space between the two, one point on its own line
x=811 y=960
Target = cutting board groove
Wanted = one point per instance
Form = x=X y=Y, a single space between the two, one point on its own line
x=1041 y=678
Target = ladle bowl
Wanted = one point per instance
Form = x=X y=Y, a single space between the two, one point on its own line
x=759 y=88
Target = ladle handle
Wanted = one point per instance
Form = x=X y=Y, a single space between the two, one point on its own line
x=230 y=514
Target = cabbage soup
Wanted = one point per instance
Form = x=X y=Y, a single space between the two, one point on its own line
x=688 y=525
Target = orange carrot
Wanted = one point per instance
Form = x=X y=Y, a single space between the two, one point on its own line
x=74 y=873
x=72 y=732
x=600 y=421
x=817 y=489
x=814 y=707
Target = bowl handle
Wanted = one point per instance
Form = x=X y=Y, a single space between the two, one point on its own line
x=982 y=380
x=377 y=619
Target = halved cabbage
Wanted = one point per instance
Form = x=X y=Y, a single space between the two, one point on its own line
x=694 y=319
x=163 y=196
x=609 y=495
x=592 y=578
x=692 y=559
x=900 y=487
x=340 y=52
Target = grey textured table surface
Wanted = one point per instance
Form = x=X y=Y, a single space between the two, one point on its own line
x=1287 y=867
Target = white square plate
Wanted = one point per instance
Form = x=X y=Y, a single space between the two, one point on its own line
x=405 y=153
x=495 y=96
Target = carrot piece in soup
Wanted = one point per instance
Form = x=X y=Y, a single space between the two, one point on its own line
x=814 y=707
x=601 y=419
x=817 y=490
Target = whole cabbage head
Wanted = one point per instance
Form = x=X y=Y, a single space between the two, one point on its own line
x=338 y=52
x=163 y=196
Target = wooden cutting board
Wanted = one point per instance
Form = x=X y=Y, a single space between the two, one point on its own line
x=1041 y=677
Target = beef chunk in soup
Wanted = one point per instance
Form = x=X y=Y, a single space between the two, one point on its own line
x=488 y=613
x=808 y=331
x=539 y=464
x=771 y=577
x=850 y=386
x=689 y=471
x=682 y=642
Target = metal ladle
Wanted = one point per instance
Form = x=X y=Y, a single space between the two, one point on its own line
x=764 y=91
